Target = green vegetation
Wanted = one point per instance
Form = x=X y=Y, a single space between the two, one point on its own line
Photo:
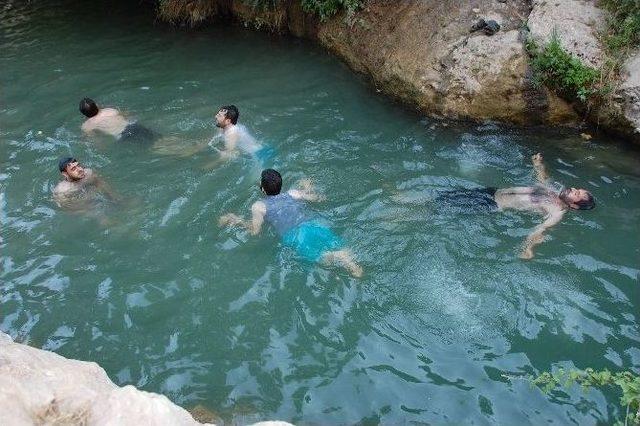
x=563 y=72
x=327 y=8
x=626 y=382
x=324 y=9
x=569 y=77
x=623 y=31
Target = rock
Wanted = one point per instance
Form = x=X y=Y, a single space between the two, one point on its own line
x=622 y=115
x=421 y=53
x=40 y=387
x=576 y=23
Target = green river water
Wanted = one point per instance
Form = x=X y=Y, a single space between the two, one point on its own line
x=164 y=299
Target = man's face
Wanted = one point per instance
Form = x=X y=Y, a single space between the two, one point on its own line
x=221 y=118
x=74 y=171
x=572 y=196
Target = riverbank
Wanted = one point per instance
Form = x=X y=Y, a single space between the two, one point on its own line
x=425 y=55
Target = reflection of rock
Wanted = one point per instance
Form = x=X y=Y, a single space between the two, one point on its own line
x=40 y=387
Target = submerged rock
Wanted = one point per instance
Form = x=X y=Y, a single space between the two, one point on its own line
x=40 y=387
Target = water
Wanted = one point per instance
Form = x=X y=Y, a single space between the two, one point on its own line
x=164 y=299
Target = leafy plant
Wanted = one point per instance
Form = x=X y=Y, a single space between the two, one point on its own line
x=327 y=8
x=623 y=25
x=627 y=382
x=563 y=72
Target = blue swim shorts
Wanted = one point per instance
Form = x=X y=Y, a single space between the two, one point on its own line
x=265 y=154
x=311 y=239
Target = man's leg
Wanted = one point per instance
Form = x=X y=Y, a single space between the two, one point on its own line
x=344 y=259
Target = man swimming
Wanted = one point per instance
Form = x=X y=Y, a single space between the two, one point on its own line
x=237 y=138
x=540 y=199
x=81 y=189
x=111 y=122
x=285 y=212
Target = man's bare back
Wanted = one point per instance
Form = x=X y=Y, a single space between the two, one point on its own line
x=108 y=120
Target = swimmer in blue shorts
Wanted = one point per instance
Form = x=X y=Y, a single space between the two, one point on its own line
x=311 y=239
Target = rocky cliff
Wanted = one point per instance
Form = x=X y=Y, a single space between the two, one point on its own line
x=424 y=54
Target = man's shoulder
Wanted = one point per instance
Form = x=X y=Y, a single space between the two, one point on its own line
x=62 y=187
x=109 y=112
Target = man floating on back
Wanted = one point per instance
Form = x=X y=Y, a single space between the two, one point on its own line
x=540 y=198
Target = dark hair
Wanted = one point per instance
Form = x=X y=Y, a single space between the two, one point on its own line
x=64 y=162
x=88 y=107
x=271 y=182
x=232 y=113
x=586 y=204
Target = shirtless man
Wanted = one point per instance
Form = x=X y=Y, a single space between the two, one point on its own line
x=111 y=122
x=540 y=199
x=237 y=138
x=311 y=239
x=81 y=189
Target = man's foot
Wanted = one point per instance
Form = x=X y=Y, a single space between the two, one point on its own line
x=343 y=258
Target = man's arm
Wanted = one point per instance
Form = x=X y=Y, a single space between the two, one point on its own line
x=87 y=126
x=253 y=225
x=306 y=191
x=104 y=187
x=537 y=235
x=230 y=143
x=541 y=172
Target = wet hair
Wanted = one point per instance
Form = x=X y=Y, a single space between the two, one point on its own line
x=271 y=182
x=232 y=113
x=64 y=162
x=586 y=204
x=88 y=107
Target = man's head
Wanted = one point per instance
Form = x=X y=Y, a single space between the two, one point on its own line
x=88 y=107
x=227 y=115
x=577 y=199
x=271 y=182
x=71 y=169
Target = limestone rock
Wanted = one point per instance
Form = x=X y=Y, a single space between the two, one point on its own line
x=40 y=387
x=423 y=54
x=576 y=24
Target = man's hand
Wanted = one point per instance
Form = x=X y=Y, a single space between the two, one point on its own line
x=531 y=241
x=306 y=184
x=229 y=219
x=306 y=191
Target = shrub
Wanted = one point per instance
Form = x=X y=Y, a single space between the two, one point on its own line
x=327 y=8
x=563 y=72
x=626 y=382
x=623 y=30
